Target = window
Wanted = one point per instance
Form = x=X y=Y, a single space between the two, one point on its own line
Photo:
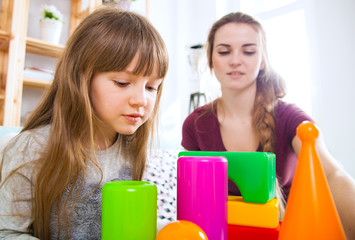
x=285 y=27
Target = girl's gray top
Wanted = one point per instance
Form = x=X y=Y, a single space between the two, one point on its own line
x=85 y=220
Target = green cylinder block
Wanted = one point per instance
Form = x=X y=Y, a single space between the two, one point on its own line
x=253 y=172
x=129 y=210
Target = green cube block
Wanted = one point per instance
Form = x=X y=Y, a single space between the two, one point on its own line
x=253 y=172
x=129 y=210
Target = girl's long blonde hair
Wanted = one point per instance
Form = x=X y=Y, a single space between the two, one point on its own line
x=107 y=40
x=270 y=87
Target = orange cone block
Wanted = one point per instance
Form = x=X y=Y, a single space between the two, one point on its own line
x=310 y=211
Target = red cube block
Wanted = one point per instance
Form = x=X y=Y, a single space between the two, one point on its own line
x=237 y=232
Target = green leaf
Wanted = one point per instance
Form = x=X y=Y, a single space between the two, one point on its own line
x=49 y=15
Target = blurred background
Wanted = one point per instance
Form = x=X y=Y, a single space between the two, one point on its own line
x=310 y=43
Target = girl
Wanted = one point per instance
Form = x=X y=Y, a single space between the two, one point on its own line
x=92 y=127
x=250 y=116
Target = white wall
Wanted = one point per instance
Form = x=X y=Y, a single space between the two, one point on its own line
x=332 y=32
x=181 y=23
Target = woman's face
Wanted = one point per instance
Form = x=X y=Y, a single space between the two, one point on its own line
x=236 y=56
x=122 y=100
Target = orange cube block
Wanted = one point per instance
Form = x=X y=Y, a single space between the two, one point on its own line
x=264 y=215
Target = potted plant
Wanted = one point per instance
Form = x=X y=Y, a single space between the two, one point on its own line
x=51 y=23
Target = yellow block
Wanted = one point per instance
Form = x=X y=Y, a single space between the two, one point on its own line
x=253 y=214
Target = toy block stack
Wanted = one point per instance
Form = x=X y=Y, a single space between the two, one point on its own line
x=255 y=215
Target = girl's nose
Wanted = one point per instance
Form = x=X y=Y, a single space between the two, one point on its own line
x=138 y=97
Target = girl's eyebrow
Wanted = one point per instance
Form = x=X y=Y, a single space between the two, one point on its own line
x=154 y=79
x=151 y=78
x=129 y=72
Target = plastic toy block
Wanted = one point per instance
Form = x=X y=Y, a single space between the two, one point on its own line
x=202 y=194
x=310 y=210
x=264 y=215
x=253 y=172
x=236 y=232
x=129 y=210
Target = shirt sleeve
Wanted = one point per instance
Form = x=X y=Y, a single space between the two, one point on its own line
x=294 y=116
x=189 y=140
x=16 y=189
x=11 y=235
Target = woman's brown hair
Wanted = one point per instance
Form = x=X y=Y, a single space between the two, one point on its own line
x=106 y=40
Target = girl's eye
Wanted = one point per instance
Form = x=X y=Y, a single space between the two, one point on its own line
x=121 y=84
x=152 y=89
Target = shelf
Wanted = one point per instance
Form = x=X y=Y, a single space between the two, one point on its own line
x=14 y=45
x=4 y=40
x=37 y=46
x=36 y=84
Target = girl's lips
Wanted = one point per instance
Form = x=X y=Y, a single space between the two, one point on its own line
x=132 y=117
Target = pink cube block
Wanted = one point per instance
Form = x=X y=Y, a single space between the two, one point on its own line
x=202 y=194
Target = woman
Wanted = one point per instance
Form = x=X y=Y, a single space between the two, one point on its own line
x=250 y=116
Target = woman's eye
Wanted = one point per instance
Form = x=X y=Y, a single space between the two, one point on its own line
x=223 y=52
x=249 y=52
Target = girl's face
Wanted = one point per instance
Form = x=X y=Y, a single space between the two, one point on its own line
x=122 y=100
x=236 y=56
